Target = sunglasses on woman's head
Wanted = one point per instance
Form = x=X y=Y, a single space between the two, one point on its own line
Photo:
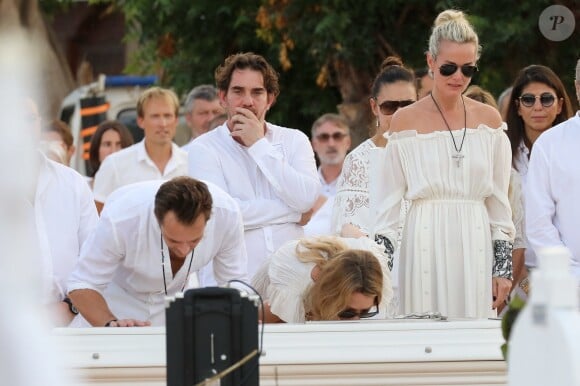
x=546 y=99
x=449 y=69
x=350 y=314
x=389 y=107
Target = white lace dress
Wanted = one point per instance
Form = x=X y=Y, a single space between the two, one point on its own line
x=351 y=203
x=283 y=280
x=459 y=227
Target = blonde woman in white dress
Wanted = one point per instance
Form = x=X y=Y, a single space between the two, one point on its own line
x=450 y=157
x=325 y=278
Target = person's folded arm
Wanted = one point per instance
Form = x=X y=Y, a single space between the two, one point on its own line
x=292 y=174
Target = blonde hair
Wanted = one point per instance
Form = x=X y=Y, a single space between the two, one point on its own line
x=479 y=94
x=319 y=249
x=343 y=272
x=157 y=92
x=452 y=25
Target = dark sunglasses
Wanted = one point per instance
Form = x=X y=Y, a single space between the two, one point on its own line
x=337 y=136
x=546 y=99
x=449 y=69
x=350 y=314
x=389 y=107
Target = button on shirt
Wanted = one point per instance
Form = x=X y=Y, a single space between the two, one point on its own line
x=64 y=216
x=553 y=190
x=274 y=181
x=133 y=164
x=122 y=258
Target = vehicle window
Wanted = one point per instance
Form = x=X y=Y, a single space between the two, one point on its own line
x=66 y=114
x=128 y=117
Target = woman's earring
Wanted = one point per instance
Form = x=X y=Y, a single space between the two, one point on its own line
x=378 y=123
x=430 y=73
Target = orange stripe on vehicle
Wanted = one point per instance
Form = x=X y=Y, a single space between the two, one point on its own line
x=94 y=110
x=88 y=131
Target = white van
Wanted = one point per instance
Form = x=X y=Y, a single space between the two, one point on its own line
x=111 y=97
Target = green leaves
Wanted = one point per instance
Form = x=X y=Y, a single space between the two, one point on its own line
x=515 y=306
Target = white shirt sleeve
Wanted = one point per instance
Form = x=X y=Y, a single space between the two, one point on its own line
x=205 y=165
x=540 y=204
x=351 y=203
x=292 y=176
x=105 y=180
x=99 y=259
x=231 y=262
x=386 y=191
x=88 y=214
x=497 y=204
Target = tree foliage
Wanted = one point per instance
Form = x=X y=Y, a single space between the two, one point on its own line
x=328 y=51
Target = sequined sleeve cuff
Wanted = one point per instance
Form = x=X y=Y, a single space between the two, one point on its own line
x=502 y=260
x=389 y=250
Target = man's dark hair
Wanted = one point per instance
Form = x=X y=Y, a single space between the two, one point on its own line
x=188 y=198
x=242 y=61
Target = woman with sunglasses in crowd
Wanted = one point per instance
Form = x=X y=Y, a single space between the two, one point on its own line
x=449 y=156
x=325 y=278
x=539 y=101
x=393 y=87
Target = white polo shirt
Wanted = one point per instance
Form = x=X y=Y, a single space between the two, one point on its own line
x=132 y=165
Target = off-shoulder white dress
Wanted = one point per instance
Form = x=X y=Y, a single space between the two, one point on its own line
x=283 y=280
x=456 y=215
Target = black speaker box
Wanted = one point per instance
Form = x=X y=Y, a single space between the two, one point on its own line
x=207 y=331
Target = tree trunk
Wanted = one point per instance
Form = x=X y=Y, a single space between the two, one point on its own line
x=55 y=76
x=354 y=86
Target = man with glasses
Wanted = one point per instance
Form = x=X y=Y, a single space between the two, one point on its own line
x=151 y=240
x=553 y=186
x=268 y=169
x=330 y=141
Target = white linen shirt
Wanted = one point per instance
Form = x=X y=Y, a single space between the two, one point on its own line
x=122 y=258
x=522 y=164
x=327 y=188
x=553 y=190
x=274 y=181
x=64 y=217
x=133 y=164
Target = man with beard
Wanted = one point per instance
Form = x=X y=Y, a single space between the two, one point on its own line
x=331 y=141
x=268 y=169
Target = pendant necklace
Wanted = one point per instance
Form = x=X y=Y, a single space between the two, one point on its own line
x=458 y=156
x=163 y=268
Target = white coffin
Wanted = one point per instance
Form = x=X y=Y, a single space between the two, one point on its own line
x=345 y=353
